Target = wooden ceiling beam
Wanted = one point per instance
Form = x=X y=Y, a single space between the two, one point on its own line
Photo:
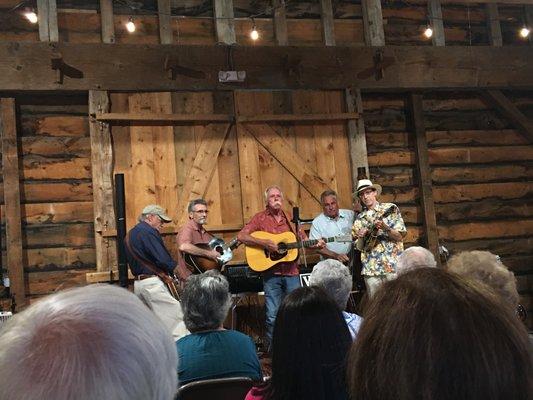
x=126 y=67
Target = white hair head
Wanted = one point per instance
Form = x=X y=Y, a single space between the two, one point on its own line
x=415 y=257
x=93 y=342
x=268 y=189
x=334 y=277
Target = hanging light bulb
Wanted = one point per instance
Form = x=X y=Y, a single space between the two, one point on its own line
x=428 y=32
x=130 y=25
x=524 y=32
x=254 y=35
x=30 y=15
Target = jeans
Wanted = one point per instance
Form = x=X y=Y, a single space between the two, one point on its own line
x=276 y=287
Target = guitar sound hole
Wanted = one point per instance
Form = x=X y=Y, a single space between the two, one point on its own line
x=219 y=249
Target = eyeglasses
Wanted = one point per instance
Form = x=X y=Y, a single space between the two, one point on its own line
x=202 y=211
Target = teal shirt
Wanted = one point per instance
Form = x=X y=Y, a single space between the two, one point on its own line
x=216 y=354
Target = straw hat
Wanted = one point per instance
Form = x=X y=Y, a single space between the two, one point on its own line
x=364 y=184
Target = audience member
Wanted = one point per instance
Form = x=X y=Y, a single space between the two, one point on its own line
x=334 y=277
x=211 y=351
x=434 y=335
x=415 y=257
x=485 y=267
x=93 y=342
x=310 y=344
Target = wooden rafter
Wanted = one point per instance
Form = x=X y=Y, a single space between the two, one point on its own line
x=26 y=66
x=435 y=18
x=224 y=21
x=373 y=23
x=328 y=28
x=280 y=23
x=48 y=30
x=165 y=22
x=522 y=123
x=106 y=17
x=493 y=24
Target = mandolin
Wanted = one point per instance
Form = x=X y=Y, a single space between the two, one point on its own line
x=260 y=259
x=202 y=264
x=370 y=240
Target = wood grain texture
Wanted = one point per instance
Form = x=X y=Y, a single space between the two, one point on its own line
x=12 y=199
x=134 y=67
x=106 y=15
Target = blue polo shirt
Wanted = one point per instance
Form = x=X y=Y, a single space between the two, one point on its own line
x=148 y=245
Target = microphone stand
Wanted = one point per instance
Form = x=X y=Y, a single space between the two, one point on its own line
x=297 y=222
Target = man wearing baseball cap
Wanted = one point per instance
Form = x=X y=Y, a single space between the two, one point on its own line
x=149 y=259
x=380 y=230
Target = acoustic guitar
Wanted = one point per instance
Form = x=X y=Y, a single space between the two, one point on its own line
x=202 y=264
x=370 y=240
x=260 y=259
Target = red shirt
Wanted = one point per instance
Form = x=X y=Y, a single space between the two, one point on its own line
x=265 y=221
x=192 y=233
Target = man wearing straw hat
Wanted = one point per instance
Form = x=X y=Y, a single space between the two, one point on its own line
x=379 y=230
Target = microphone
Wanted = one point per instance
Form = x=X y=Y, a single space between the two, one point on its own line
x=295 y=215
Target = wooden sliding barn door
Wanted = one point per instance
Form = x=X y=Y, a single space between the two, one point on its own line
x=231 y=163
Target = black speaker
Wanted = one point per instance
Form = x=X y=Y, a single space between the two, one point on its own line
x=243 y=279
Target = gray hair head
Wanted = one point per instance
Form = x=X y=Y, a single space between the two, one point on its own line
x=415 y=257
x=268 y=189
x=205 y=301
x=93 y=342
x=334 y=277
x=192 y=203
x=485 y=267
x=325 y=194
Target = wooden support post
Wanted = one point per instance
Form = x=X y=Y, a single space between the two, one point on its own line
x=165 y=21
x=493 y=25
x=373 y=23
x=326 y=15
x=435 y=19
x=224 y=23
x=102 y=178
x=356 y=133
x=47 y=12
x=424 y=173
x=11 y=179
x=106 y=16
x=280 y=23
x=521 y=122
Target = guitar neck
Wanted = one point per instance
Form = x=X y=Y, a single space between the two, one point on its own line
x=308 y=243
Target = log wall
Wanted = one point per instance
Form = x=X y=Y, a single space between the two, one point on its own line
x=481 y=173
x=56 y=209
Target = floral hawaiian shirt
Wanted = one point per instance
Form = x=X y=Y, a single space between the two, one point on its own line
x=382 y=258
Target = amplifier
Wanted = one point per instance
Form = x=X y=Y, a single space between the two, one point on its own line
x=243 y=279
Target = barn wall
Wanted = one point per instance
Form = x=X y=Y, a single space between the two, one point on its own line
x=192 y=23
x=482 y=175
x=56 y=193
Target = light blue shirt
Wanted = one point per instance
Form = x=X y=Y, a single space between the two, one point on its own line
x=354 y=323
x=325 y=227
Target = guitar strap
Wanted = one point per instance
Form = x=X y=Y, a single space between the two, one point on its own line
x=166 y=279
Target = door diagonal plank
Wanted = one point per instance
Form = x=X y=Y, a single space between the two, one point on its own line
x=202 y=168
x=277 y=146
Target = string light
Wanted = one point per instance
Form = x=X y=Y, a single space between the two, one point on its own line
x=254 y=35
x=30 y=15
x=524 y=32
x=428 y=32
x=130 y=25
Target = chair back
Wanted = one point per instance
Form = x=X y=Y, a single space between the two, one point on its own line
x=220 y=389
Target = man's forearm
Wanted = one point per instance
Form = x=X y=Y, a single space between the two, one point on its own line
x=194 y=250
